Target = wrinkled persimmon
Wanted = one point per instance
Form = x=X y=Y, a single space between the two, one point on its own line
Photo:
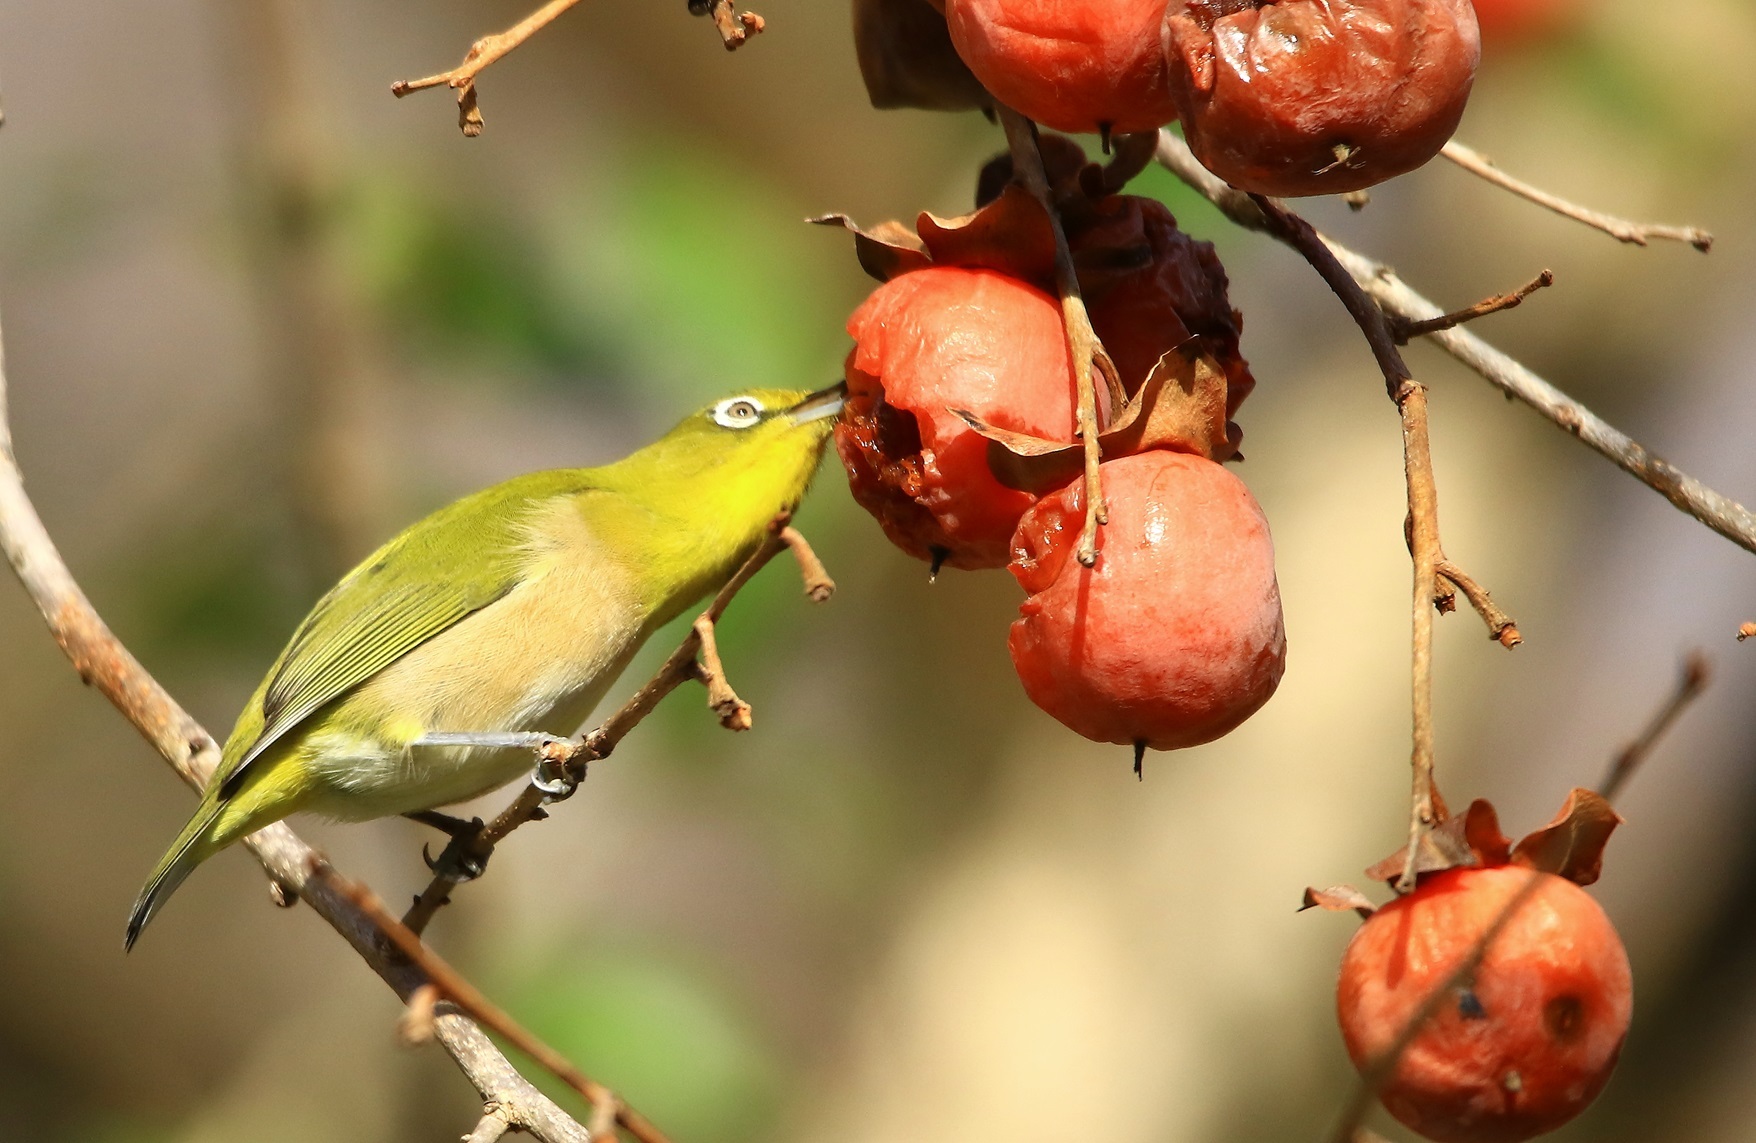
x=1174 y=637
x=1302 y=97
x=1527 y=1043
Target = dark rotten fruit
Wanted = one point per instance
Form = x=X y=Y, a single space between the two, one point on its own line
x=1301 y=97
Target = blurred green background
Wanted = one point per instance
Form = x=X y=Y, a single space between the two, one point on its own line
x=259 y=314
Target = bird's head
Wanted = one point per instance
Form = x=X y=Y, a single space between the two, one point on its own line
x=762 y=443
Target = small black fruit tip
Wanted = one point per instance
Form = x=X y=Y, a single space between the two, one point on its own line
x=940 y=555
x=1139 y=758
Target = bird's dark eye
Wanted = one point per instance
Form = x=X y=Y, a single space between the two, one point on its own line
x=737 y=412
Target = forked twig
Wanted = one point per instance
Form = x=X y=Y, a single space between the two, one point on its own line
x=1621 y=229
x=482 y=53
x=1500 y=625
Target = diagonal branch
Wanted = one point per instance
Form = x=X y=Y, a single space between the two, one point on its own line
x=1724 y=515
x=103 y=662
x=1620 y=229
x=449 y=984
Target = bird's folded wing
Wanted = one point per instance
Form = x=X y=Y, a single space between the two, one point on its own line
x=455 y=562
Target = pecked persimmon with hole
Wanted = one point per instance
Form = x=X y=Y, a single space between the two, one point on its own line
x=928 y=341
x=1491 y=1001
x=1528 y=1043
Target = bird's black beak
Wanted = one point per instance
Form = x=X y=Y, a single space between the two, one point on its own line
x=821 y=404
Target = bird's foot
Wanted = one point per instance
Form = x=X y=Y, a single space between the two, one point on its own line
x=461 y=860
x=556 y=777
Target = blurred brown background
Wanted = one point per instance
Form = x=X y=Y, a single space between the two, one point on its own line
x=259 y=314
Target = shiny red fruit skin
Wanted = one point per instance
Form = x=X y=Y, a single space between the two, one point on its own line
x=1175 y=636
x=1530 y=1045
x=1073 y=65
x=929 y=341
x=1268 y=89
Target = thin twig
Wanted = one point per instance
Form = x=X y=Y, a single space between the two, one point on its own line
x=1406 y=330
x=1500 y=625
x=104 y=663
x=733 y=712
x=734 y=27
x=1376 y=1074
x=574 y=755
x=1621 y=229
x=482 y=53
x=1087 y=351
x=1724 y=515
x=457 y=989
x=1691 y=681
x=1423 y=503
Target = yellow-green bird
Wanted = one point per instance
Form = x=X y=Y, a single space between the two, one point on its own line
x=511 y=610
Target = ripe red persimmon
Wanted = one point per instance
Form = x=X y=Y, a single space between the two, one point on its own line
x=1074 y=65
x=929 y=341
x=1528 y=1044
x=1175 y=636
x=1299 y=97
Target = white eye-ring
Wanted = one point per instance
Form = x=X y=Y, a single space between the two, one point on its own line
x=737 y=412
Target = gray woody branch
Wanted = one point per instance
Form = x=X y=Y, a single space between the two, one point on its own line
x=1725 y=516
x=103 y=662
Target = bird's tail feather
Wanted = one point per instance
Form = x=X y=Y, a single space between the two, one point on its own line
x=192 y=847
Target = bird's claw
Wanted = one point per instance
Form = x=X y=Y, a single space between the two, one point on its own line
x=457 y=862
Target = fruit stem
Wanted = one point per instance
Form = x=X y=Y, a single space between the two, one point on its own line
x=1089 y=357
x=1425 y=810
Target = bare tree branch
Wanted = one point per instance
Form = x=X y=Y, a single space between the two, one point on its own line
x=456 y=988
x=103 y=662
x=1725 y=516
x=1620 y=229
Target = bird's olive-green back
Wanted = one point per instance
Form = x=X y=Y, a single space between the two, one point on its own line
x=678 y=515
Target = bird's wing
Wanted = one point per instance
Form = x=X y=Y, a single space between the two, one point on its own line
x=455 y=562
